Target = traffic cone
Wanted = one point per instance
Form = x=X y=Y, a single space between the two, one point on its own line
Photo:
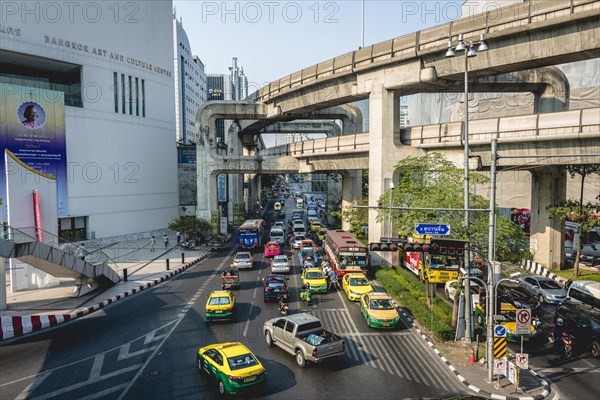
x=472 y=357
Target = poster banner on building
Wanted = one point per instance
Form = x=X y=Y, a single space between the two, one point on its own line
x=32 y=132
x=222 y=188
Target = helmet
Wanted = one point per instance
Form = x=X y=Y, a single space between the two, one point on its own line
x=560 y=321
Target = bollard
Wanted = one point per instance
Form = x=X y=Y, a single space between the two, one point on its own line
x=125 y=275
x=182 y=258
x=167 y=264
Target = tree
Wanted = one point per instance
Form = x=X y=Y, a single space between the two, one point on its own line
x=357 y=218
x=190 y=226
x=586 y=215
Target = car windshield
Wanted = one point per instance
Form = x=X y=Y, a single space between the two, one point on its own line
x=243 y=361
x=359 y=282
x=280 y=259
x=549 y=285
x=381 y=304
x=299 y=238
x=314 y=275
x=242 y=257
x=273 y=246
x=218 y=301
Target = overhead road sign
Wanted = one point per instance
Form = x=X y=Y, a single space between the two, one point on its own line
x=432 y=229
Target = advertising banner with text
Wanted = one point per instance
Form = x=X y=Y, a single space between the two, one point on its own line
x=32 y=132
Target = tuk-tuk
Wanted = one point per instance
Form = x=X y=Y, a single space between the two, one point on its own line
x=230 y=279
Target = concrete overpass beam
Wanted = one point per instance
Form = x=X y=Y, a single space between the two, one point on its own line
x=351 y=190
x=384 y=123
x=549 y=185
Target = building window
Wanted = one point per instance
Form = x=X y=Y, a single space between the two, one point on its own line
x=123 y=93
x=137 y=97
x=143 y=99
x=130 y=97
x=116 y=90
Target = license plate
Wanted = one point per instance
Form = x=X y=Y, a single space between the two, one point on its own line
x=218 y=311
x=386 y=324
x=250 y=378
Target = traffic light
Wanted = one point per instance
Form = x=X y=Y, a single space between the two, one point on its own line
x=386 y=244
x=417 y=247
x=450 y=247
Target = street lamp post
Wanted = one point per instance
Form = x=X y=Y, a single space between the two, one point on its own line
x=391 y=190
x=469 y=51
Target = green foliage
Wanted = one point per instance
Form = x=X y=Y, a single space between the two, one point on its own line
x=410 y=293
x=583 y=214
x=190 y=226
x=357 y=217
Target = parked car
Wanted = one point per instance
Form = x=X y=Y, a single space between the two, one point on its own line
x=220 y=306
x=545 y=289
x=274 y=286
x=518 y=296
x=303 y=336
x=379 y=310
x=355 y=285
x=232 y=366
x=272 y=249
x=243 y=260
x=583 y=324
x=281 y=264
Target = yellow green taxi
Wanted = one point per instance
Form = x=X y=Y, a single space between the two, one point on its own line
x=321 y=234
x=379 y=310
x=220 y=306
x=508 y=314
x=315 y=279
x=355 y=284
x=232 y=365
x=315 y=226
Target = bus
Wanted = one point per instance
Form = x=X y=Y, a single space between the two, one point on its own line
x=345 y=252
x=252 y=235
x=441 y=264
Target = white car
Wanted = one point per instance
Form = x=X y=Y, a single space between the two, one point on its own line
x=277 y=206
x=451 y=288
x=280 y=264
x=243 y=260
x=298 y=241
x=279 y=224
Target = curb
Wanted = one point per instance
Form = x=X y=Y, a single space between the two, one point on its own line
x=539 y=269
x=469 y=385
x=15 y=326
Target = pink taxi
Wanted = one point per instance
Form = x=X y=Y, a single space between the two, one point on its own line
x=272 y=249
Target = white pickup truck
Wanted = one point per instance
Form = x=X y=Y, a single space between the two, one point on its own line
x=303 y=336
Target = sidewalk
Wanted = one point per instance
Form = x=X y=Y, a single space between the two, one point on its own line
x=32 y=310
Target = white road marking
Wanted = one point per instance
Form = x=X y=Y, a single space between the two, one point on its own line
x=104 y=392
x=96 y=371
x=34 y=384
x=85 y=383
x=125 y=354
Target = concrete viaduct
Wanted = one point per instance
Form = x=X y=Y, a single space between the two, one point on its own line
x=524 y=39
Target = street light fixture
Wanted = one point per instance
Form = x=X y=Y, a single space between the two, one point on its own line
x=471 y=52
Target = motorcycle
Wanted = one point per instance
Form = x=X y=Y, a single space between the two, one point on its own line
x=283 y=305
x=188 y=244
x=566 y=344
x=306 y=296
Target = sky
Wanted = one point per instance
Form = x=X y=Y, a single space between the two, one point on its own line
x=273 y=39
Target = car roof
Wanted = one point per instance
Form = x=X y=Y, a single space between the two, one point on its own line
x=219 y=293
x=379 y=295
x=582 y=307
x=281 y=256
x=272 y=244
x=275 y=278
x=233 y=349
x=313 y=270
x=356 y=275
x=301 y=318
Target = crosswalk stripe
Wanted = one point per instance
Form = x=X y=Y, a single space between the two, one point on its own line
x=377 y=342
x=409 y=371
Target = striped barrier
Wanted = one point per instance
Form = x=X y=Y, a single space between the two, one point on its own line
x=539 y=269
x=15 y=326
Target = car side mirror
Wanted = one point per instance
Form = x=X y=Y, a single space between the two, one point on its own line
x=207 y=296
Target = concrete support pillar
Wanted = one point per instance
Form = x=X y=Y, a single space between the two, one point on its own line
x=384 y=122
x=3 y=268
x=351 y=191
x=549 y=186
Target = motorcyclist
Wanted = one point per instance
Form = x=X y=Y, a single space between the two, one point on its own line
x=305 y=292
x=557 y=331
x=283 y=300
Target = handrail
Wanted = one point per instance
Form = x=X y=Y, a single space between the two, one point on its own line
x=28 y=235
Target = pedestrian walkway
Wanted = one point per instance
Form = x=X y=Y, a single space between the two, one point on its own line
x=139 y=268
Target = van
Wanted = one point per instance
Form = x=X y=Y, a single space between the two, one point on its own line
x=586 y=292
x=300 y=203
x=277 y=235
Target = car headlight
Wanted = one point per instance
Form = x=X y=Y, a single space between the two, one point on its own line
x=373 y=319
x=355 y=293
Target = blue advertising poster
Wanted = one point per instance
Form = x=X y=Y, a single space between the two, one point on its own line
x=32 y=132
x=222 y=188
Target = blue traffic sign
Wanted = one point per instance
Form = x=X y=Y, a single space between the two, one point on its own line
x=499 y=331
x=432 y=229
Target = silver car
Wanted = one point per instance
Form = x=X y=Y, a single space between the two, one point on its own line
x=243 y=260
x=298 y=241
x=545 y=289
x=280 y=264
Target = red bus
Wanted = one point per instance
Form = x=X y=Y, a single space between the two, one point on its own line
x=345 y=252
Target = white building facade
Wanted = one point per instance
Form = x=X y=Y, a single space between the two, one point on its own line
x=190 y=84
x=114 y=63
